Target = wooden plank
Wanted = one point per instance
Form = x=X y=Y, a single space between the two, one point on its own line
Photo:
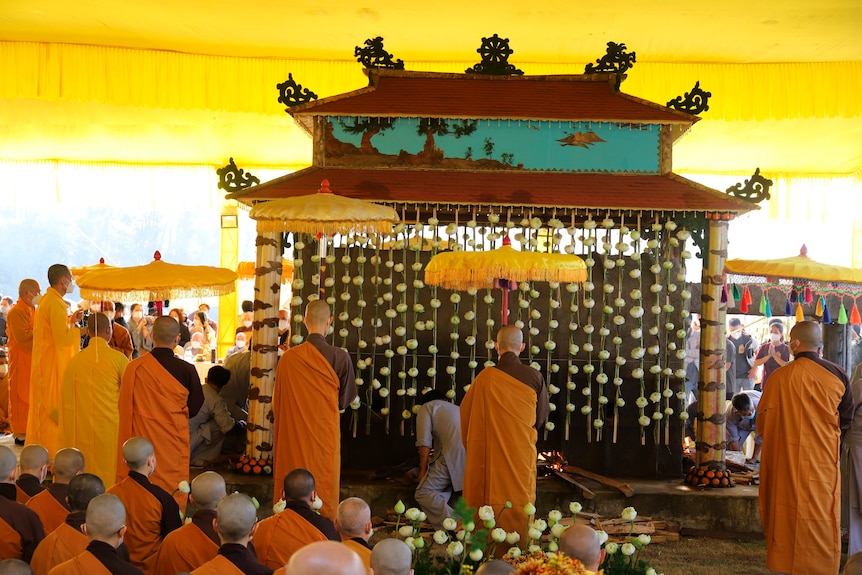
x=566 y=478
x=624 y=488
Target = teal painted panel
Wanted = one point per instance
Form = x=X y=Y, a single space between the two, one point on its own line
x=494 y=144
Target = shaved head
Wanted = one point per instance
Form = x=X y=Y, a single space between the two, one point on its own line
x=495 y=567
x=27 y=285
x=68 y=463
x=82 y=489
x=391 y=557
x=98 y=325
x=329 y=557
x=317 y=316
x=511 y=339
x=298 y=485
x=808 y=334
x=33 y=457
x=14 y=567
x=136 y=451
x=854 y=564
x=106 y=515
x=8 y=465
x=236 y=516
x=165 y=331
x=352 y=518
x=208 y=489
x=581 y=542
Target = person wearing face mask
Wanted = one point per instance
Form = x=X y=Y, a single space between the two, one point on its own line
x=740 y=422
x=20 y=323
x=5 y=305
x=5 y=426
x=240 y=344
x=185 y=336
x=771 y=354
x=283 y=331
x=140 y=330
x=55 y=341
x=744 y=350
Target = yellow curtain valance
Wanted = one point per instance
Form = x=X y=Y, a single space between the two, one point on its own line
x=150 y=78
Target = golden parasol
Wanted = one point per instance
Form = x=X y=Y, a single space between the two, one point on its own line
x=496 y=268
x=156 y=281
x=799 y=267
x=81 y=270
x=245 y=271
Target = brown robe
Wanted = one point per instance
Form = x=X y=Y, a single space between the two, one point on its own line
x=20 y=528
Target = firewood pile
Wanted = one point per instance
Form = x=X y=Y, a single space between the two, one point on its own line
x=659 y=530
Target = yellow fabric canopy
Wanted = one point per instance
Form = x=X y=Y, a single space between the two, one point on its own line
x=796 y=267
x=81 y=270
x=323 y=213
x=245 y=271
x=156 y=281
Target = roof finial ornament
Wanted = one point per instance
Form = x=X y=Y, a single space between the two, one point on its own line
x=754 y=190
x=693 y=102
x=495 y=54
x=293 y=94
x=374 y=56
x=615 y=61
x=233 y=179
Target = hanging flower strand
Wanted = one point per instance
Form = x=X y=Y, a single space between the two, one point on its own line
x=589 y=303
x=637 y=312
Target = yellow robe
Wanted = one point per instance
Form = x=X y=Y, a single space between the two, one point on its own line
x=800 y=489
x=55 y=342
x=19 y=329
x=90 y=393
x=498 y=415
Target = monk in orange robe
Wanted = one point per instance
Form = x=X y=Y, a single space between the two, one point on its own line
x=5 y=423
x=196 y=542
x=67 y=540
x=326 y=557
x=20 y=322
x=153 y=513
x=158 y=395
x=353 y=522
x=393 y=556
x=105 y=527
x=280 y=536
x=20 y=528
x=499 y=416
x=236 y=519
x=55 y=341
x=51 y=505
x=313 y=382
x=32 y=470
x=800 y=417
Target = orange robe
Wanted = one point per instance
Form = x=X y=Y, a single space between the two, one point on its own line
x=11 y=546
x=219 y=565
x=84 y=564
x=363 y=552
x=55 y=342
x=51 y=512
x=143 y=521
x=306 y=430
x=184 y=549
x=60 y=545
x=121 y=340
x=280 y=536
x=800 y=487
x=498 y=415
x=19 y=329
x=153 y=405
x=5 y=424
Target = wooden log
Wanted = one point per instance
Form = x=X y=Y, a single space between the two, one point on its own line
x=568 y=479
x=624 y=488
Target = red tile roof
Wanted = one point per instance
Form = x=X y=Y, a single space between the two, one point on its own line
x=517 y=188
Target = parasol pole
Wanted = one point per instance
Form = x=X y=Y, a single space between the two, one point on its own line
x=503 y=284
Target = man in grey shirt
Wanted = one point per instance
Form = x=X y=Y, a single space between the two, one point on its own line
x=741 y=422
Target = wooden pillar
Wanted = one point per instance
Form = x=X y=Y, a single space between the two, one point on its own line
x=711 y=382
x=264 y=351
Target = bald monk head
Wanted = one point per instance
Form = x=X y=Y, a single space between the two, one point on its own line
x=106 y=520
x=166 y=332
x=208 y=489
x=299 y=486
x=581 y=542
x=82 y=489
x=511 y=339
x=391 y=557
x=68 y=463
x=98 y=325
x=140 y=455
x=806 y=336
x=34 y=460
x=852 y=567
x=353 y=519
x=495 y=567
x=8 y=465
x=14 y=567
x=330 y=557
x=317 y=317
x=236 y=519
x=27 y=289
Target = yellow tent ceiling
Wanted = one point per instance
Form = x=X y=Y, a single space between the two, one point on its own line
x=188 y=81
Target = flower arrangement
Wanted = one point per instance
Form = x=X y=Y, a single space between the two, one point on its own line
x=624 y=558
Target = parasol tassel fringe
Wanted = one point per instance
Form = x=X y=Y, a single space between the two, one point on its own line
x=855 y=319
x=326 y=228
x=464 y=279
x=800 y=315
x=827 y=318
x=842 y=315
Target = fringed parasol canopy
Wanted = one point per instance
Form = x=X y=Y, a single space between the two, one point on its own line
x=81 y=270
x=323 y=213
x=795 y=271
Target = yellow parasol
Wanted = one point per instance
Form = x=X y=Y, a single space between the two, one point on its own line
x=799 y=267
x=496 y=268
x=156 y=281
x=81 y=270
x=245 y=271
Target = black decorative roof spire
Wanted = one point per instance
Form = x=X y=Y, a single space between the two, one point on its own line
x=495 y=54
x=374 y=56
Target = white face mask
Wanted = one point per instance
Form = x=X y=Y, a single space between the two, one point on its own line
x=71 y=287
x=240 y=343
x=36 y=299
x=736 y=334
x=137 y=315
x=283 y=324
x=775 y=337
x=247 y=323
x=4 y=309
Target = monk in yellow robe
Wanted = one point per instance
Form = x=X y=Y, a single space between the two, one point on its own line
x=32 y=470
x=196 y=542
x=800 y=417
x=20 y=322
x=313 y=382
x=236 y=518
x=499 y=416
x=105 y=527
x=153 y=513
x=353 y=522
x=90 y=393
x=67 y=540
x=20 y=528
x=51 y=504
x=280 y=536
x=158 y=395
x=55 y=341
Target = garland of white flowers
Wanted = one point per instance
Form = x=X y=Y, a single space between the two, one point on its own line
x=589 y=240
x=637 y=312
